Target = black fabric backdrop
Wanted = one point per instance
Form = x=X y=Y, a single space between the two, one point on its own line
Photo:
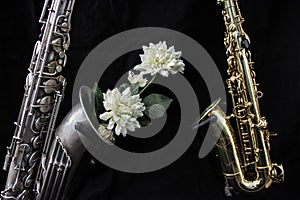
x=274 y=30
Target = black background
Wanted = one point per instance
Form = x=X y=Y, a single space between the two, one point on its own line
x=274 y=31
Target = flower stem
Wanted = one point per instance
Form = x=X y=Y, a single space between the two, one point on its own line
x=148 y=84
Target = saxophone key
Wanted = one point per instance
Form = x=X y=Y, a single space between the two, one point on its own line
x=45 y=104
x=64 y=27
x=50 y=86
x=57 y=44
x=59 y=68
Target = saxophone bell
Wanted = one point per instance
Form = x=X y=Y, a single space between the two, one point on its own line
x=238 y=176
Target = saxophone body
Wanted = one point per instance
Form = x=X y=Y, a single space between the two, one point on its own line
x=243 y=146
x=44 y=92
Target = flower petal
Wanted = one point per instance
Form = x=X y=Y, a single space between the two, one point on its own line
x=105 y=116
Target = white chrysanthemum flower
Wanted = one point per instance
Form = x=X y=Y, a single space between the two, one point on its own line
x=133 y=79
x=105 y=133
x=157 y=58
x=123 y=110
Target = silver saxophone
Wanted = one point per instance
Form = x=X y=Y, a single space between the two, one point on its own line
x=244 y=144
x=26 y=160
x=41 y=160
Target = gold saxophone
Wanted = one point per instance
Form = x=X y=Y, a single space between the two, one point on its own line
x=244 y=153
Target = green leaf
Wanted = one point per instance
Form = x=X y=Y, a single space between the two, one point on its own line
x=156 y=105
x=98 y=100
x=144 y=121
x=155 y=111
x=123 y=87
x=134 y=88
x=157 y=99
